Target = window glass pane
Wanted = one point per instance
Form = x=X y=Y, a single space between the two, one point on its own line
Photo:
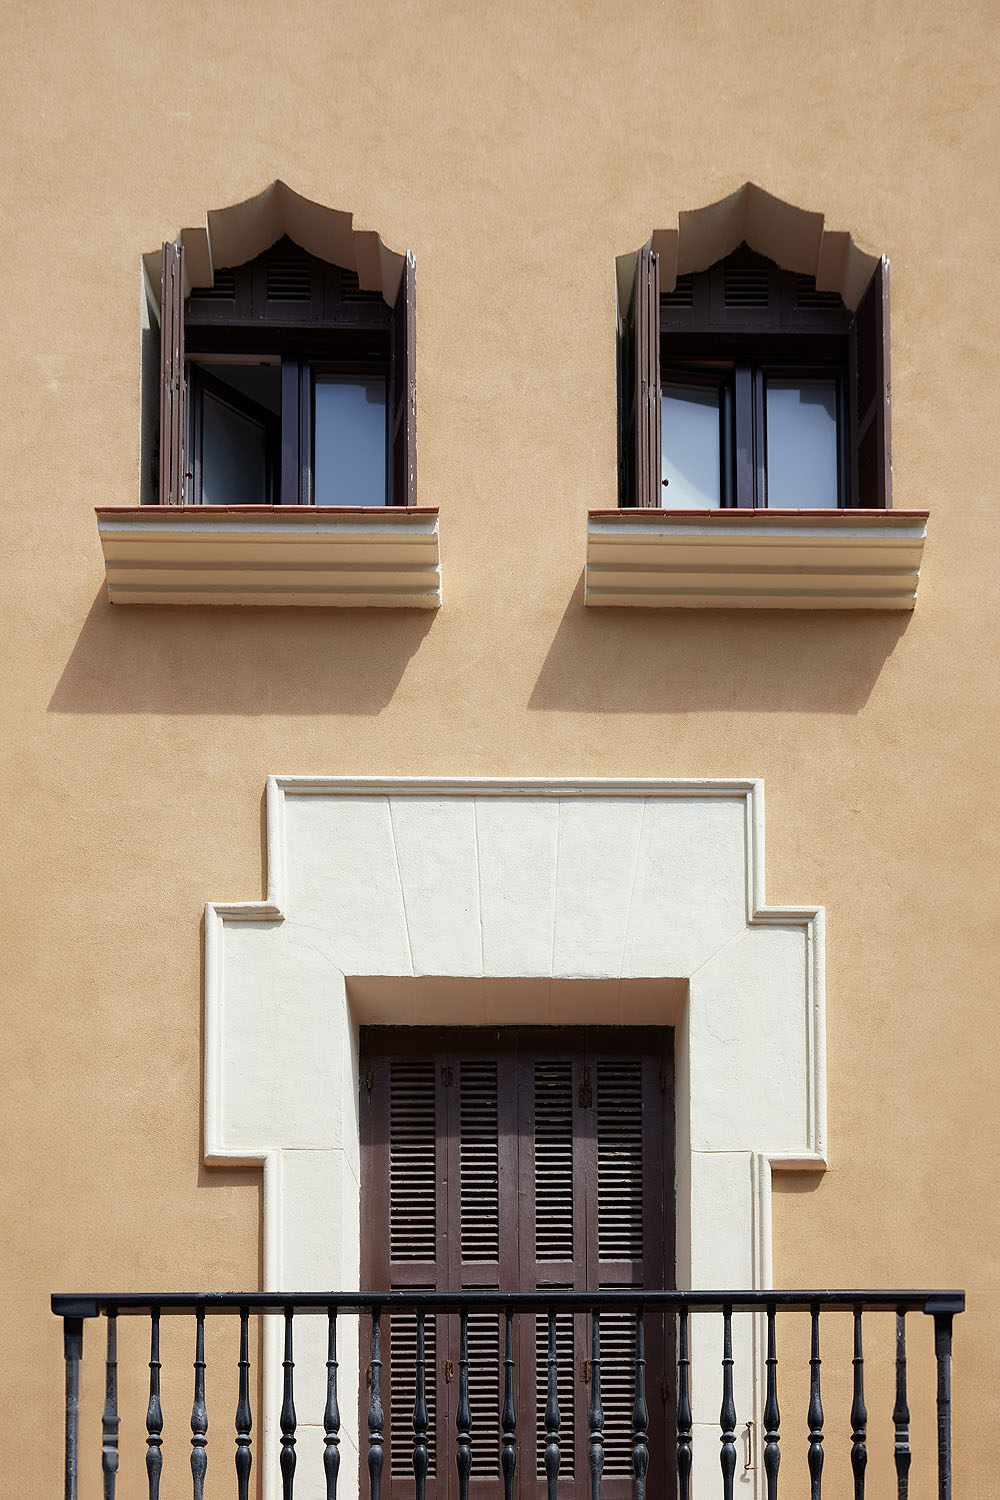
x=691 y=448
x=261 y=383
x=233 y=456
x=802 y=444
x=349 y=440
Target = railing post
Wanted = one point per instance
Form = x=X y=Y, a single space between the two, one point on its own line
x=640 y=1414
x=901 y=1413
x=154 y=1411
x=815 y=1417
x=420 y=1417
x=943 y=1309
x=199 y=1411
x=287 y=1417
x=376 y=1415
x=109 y=1419
x=331 y=1413
x=859 y=1414
x=595 y=1417
x=508 y=1418
x=727 y=1415
x=73 y=1353
x=463 y=1415
x=244 y=1415
x=772 y=1413
x=684 y=1414
x=552 y=1420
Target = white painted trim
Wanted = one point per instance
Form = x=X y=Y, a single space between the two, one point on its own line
x=848 y=559
x=383 y=558
x=696 y=916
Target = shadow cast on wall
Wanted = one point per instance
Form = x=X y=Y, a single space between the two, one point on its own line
x=156 y=659
x=714 y=661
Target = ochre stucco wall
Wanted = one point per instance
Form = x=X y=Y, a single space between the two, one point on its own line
x=516 y=151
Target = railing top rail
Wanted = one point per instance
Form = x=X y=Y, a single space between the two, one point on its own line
x=92 y=1305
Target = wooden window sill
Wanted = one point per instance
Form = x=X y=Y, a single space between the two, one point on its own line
x=351 y=557
x=754 y=559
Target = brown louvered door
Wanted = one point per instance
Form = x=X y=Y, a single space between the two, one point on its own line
x=518 y=1159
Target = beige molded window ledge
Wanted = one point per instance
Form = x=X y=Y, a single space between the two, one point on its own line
x=755 y=559
x=376 y=557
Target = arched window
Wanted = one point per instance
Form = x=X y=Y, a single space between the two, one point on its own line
x=751 y=385
x=284 y=380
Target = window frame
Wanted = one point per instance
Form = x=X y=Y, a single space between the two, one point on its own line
x=342 y=332
x=201 y=381
x=742 y=387
x=792 y=326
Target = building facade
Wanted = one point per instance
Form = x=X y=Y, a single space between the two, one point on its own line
x=484 y=739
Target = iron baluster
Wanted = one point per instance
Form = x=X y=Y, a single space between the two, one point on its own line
x=463 y=1416
x=901 y=1413
x=331 y=1413
x=859 y=1414
x=595 y=1417
x=244 y=1416
x=154 y=1411
x=552 y=1414
x=815 y=1410
x=376 y=1416
x=72 y=1353
x=508 y=1417
x=287 y=1419
x=109 y=1419
x=942 y=1354
x=772 y=1415
x=420 y=1413
x=199 y=1411
x=684 y=1433
x=640 y=1415
x=727 y=1414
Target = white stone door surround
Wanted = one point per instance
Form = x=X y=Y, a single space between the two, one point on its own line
x=548 y=902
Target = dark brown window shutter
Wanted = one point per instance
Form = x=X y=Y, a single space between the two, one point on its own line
x=869 y=378
x=403 y=421
x=173 y=388
x=648 y=425
x=645 y=353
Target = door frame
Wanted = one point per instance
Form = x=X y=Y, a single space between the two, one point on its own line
x=638 y=900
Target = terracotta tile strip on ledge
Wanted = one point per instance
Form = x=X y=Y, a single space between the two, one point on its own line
x=291 y=512
x=745 y=513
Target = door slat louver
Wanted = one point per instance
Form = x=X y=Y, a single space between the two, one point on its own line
x=553 y=1146
x=412 y=1165
x=479 y=1126
x=619 y=1160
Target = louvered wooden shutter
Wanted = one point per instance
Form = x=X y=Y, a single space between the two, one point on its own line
x=173 y=386
x=869 y=379
x=518 y=1159
x=646 y=353
x=403 y=395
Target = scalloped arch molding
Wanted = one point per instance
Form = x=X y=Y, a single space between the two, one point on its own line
x=497 y=902
x=231 y=236
x=796 y=239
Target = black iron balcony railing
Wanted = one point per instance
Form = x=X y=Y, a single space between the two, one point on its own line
x=550 y=1309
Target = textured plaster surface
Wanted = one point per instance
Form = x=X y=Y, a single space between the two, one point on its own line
x=517 y=151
